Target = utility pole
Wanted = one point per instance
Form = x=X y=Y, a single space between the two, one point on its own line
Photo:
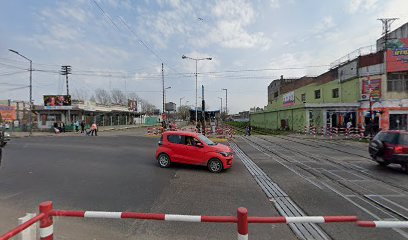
x=31 y=89
x=163 y=84
x=226 y=101
x=203 y=109
x=386 y=29
x=386 y=26
x=66 y=70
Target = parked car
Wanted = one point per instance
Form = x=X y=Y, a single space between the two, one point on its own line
x=390 y=146
x=4 y=137
x=193 y=148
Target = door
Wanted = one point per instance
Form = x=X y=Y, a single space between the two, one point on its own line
x=192 y=153
x=176 y=145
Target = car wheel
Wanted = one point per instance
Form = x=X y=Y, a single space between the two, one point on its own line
x=404 y=167
x=215 y=166
x=376 y=148
x=384 y=163
x=163 y=160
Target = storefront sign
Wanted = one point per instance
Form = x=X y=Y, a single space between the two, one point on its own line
x=57 y=102
x=373 y=85
x=397 y=55
x=289 y=99
x=8 y=113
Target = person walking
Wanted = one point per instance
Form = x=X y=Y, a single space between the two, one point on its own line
x=94 y=129
x=82 y=126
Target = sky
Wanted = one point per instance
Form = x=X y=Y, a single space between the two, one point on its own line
x=112 y=44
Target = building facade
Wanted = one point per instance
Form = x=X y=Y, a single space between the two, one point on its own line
x=368 y=89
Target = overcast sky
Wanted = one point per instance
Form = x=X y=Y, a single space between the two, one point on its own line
x=121 y=44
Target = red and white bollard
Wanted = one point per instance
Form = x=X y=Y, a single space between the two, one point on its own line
x=242 y=223
x=46 y=224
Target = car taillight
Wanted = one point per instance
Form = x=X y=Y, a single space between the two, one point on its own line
x=398 y=149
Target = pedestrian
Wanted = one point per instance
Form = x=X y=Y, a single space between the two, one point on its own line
x=94 y=129
x=56 y=128
x=62 y=127
x=248 y=130
x=82 y=126
x=76 y=125
x=198 y=126
x=349 y=124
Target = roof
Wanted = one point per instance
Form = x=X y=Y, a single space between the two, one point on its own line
x=186 y=133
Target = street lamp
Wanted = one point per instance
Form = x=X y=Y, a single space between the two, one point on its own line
x=164 y=95
x=31 y=88
x=196 y=61
x=180 y=101
x=226 y=100
x=221 y=105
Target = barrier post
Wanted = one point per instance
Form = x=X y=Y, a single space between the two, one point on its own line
x=46 y=224
x=242 y=223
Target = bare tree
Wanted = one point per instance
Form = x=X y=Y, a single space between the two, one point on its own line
x=80 y=94
x=184 y=112
x=92 y=98
x=102 y=96
x=133 y=96
x=147 y=107
x=118 y=97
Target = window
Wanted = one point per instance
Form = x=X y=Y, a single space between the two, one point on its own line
x=303 y=97
x=403 y=139
x=317 y=94
x=397 y=82
x=387 y=137
x=177 y=139
x=335 y=93
x=206 y=140
x=276 y=94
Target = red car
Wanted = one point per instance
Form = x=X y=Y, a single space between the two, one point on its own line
x=193 y=148
x=390 y=147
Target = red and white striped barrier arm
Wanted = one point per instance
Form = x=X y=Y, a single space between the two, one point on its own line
x=383 y=224
x=303 y=219
x=145 y=216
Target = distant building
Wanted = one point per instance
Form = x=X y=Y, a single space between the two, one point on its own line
x=364 y=80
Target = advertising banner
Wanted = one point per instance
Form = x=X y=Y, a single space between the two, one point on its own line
x=374 y=85
x=57 y=102
x=397 y=55
x=7 y=113
x=289 y=99
x=132 y=105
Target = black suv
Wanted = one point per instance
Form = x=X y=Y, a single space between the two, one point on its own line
x=390 y=147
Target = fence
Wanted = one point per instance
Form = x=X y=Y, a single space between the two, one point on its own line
x=348 y=133
x=45 y=217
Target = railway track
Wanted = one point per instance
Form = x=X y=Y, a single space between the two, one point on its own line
x=362 y=196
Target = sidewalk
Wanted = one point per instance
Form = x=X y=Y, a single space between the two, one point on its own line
x=100 y=129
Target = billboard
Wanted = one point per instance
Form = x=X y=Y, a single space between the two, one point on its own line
x=8 y=113
x=397 y=55
x=132 y=105
x=374 y=85
x=57 y=101
x=289 y=99
x=170 y=107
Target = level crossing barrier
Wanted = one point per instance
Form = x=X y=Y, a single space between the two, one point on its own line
x=47 y=212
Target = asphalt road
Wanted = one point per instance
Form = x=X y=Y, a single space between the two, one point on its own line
x=116 y=171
